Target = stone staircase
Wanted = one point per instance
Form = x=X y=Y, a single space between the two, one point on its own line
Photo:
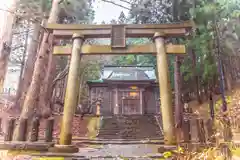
x=132 y=127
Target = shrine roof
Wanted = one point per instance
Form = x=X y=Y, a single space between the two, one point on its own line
x=128 y=73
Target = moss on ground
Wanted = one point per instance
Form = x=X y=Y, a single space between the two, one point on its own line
x=21 y=152
x=236 y=152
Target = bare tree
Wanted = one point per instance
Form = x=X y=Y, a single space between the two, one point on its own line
x=28 y=66
x=32 y=96
x=7 y=21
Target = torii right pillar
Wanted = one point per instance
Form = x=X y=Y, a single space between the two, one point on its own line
x=165 y=89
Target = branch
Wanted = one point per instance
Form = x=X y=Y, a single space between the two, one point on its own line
x=126 y=1
x=15 y=60
x=60 y=76
x=61 y=1
x=119 y=5
x=22 y=32
x=16 y=47
x=7 y=11
x=14 y=13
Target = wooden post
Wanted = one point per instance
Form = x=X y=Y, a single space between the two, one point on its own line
x=211 y=130
x=22 y=136
x=0 y=125
x=238 y=124
x=211 y=106
x=49 y=130
x=186 y=130
x=98 y=107
x=9 y=131
x=227 y=133
x=141 y=100
x=116 y=106
x=165 y=90
x=71 y=96
x=34 y=130
x=201 y=131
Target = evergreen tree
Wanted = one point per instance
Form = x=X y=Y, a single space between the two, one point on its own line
x=122 y=18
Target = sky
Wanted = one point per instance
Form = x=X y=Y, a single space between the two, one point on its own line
x=4 y=5
x=103 y=11
x=106 y=11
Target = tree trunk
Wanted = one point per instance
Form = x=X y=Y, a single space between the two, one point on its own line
x=196 y=78
x=46 y=89
x=81 y=87
x=29 y=66
x=32 y=96
x=20 y=81
x=6 y=26
x=178 y=102
x=227 y=75
x=82 y=81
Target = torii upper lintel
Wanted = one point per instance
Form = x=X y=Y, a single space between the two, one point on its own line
x=66 y=31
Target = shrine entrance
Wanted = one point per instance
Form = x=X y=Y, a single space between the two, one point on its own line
x=118 y=35
x=127 y=101
x=131 y=102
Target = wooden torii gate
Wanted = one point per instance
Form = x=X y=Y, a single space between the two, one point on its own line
x=118 y=35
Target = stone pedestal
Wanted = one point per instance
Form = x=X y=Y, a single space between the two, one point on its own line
x=64 y=149
x=26 y=146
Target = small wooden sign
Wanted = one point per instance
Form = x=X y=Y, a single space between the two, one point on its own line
x=118 y=36
x=134 y=87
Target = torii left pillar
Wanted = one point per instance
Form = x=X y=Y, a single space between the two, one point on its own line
x=165 y=89
x=71 y=98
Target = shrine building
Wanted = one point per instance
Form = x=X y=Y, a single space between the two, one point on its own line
x=129 y=103
x=125 y=90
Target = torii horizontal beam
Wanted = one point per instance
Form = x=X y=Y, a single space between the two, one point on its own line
x=130 y=49
x=131 y=30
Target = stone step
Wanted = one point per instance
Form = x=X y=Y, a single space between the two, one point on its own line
x=123 y=137
x=130 y=126
x=129 y=142
x=100 y=139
